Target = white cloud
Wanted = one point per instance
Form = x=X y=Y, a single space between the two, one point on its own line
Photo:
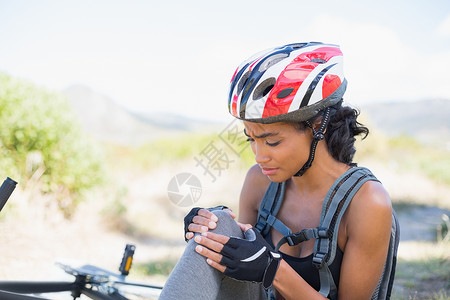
x=443 y=29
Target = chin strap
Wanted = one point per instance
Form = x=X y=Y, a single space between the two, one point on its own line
x=317 y=136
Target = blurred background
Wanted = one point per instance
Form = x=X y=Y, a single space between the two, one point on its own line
x=104 y=105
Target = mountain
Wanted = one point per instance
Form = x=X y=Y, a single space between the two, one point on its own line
x=106 y=120
x=428 y=121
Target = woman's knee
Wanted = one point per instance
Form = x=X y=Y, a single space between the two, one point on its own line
x=226 y=225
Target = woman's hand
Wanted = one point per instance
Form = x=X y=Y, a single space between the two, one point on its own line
x=249 y=259
x=210 y=245
x=200 y=220
x=214 y=244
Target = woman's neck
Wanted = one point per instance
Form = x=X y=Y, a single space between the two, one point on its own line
x=324 y=171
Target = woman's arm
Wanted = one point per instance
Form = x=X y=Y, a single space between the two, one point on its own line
x=368 y=226
x=291 y=285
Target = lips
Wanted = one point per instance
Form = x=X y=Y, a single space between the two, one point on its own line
x=268 y=171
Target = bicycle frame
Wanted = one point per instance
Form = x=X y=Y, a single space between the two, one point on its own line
x=16 y=290
x=84 y=284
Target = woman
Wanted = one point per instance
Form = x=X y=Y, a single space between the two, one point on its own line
x=290 y=101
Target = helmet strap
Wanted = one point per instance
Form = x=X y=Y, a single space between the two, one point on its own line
x=317 y=136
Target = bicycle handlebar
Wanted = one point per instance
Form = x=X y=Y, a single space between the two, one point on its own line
x=6 y=190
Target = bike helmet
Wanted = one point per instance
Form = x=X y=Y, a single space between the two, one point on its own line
x=291 y=83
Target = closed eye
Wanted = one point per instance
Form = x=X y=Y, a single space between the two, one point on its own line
x=250 y=139
x=273 y=144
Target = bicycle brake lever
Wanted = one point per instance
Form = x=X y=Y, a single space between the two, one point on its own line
x=127 y=259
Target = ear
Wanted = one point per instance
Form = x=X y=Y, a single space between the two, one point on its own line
x=317 y=123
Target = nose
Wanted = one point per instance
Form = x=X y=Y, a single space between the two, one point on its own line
x=261 y=154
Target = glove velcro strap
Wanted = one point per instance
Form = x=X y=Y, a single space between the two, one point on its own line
x=271 y=270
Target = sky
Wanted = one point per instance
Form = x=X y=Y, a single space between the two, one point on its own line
x=178 y=56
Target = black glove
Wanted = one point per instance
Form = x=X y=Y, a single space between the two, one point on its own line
x=193 y=213
x=250 y=259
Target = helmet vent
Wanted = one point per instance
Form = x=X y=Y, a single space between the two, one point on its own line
x=264 y=88
x=272 y=60
x=242 y=82
x=319 y=60
x=284 y=93
x=297 y=45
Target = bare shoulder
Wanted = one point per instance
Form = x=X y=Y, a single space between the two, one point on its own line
x=373 y=195
x=371 y=205
x=256 y=183
x=253 y=189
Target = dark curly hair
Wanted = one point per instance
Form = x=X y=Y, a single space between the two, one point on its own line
x=341 y=131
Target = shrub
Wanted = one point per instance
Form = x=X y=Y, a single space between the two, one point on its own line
x=40 y=140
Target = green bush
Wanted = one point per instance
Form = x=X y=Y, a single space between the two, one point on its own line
x=40 y=140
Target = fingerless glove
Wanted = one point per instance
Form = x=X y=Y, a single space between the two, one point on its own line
x=250 y=259
x=193 y=212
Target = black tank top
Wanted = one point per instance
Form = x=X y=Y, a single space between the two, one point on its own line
x=305 y=268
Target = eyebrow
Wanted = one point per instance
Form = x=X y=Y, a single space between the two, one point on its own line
x=264 y=135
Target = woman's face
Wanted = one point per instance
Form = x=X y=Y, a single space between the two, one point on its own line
x=280 y=148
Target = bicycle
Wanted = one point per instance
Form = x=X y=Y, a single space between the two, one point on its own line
x=90 y=281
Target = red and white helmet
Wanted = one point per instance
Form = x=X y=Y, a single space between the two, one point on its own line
x=291 y=83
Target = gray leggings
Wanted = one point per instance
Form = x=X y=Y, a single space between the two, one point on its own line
x=193 y=279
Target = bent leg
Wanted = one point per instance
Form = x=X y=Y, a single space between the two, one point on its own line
x=193 y=278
